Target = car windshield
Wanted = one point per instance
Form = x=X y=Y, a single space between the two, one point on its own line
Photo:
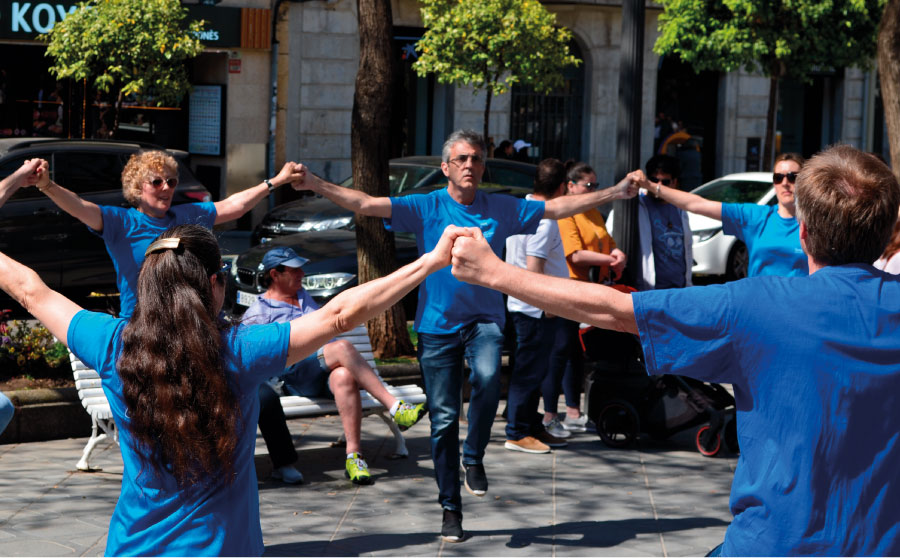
x=734 y=191
x=404 y=177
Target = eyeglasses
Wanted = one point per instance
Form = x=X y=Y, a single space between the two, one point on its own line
x=777 y=177
x=222 y=274
x=158 y=182
x=663 y=181
x=460 y=160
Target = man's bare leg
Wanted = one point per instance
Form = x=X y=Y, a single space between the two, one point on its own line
x=342 y=353
x=346 y=397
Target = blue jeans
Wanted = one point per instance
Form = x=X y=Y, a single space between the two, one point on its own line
x=441 y=361
x=531 y=365
x=6 y=411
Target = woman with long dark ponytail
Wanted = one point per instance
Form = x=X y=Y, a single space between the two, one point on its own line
x=183 y=388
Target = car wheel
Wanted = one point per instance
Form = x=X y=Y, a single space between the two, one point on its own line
x=738 y=260
x=618 y=424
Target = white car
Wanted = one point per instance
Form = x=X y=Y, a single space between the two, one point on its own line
x=716 y=253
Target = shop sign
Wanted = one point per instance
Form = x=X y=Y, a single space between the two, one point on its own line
x=25 y=20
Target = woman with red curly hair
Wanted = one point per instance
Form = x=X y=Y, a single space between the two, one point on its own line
x=182 y=387
x=149 y=180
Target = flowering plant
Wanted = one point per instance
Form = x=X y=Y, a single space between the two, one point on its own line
x=29 y=347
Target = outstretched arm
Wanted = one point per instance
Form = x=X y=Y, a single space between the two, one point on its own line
x=474 y=262
x=359 y=304
x=685 y=200
x=50 y=308
x=67 y=200
x=236 y=205
x=566 y=206
x=348 y=198
x=16 y=180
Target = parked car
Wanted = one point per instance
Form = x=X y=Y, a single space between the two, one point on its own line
x=332 y=266
x=407 y=175
x=332 y=249
x=64 y=252
x=716 y=253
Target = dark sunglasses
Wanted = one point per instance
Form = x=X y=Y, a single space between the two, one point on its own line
x=222 y=274
x=663 y=181
x=158 y=182
x=589 y=185
x=777 y=177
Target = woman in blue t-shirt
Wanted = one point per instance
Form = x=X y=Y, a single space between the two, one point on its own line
x=149 y=180
x=182 y=387
x=771 y=233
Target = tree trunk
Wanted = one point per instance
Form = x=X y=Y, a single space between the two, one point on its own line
x=487 y=114
x=889 y=76
x=370 y=142
x=769 y=144
x=116 y=113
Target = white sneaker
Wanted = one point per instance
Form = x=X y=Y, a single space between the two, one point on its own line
x=575 y=425
x=554 y=428
x=288 y=474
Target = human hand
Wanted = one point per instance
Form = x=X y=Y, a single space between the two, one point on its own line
x=306 y=180
x=618 y=263
x=290 y=173
x=628 y=187
x=33 y=172
x=439 y=256
x=473 y=259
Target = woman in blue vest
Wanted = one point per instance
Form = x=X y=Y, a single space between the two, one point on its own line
x=182 y=387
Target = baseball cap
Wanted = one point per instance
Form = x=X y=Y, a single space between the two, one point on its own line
x=282 y=256
x=520 y=144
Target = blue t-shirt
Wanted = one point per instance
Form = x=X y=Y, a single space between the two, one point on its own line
x=815 y=364
x=667 y=242
x=128 y=232
x=445 y=304
x=153 y=517
x=773 y=242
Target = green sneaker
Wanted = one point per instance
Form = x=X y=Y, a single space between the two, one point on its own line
x=357 y=470
x=407 y=415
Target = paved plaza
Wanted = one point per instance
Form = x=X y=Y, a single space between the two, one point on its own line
x=660 y=498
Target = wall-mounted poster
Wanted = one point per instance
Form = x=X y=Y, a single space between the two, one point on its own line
x=206 y=120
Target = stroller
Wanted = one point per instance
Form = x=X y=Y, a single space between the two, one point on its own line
x=623 y=401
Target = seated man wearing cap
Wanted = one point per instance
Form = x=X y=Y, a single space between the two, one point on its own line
x=336 y=369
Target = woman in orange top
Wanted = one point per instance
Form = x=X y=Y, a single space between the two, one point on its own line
x=584 y=236
x=587 y=244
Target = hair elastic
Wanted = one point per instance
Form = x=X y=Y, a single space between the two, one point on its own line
x=163 y=244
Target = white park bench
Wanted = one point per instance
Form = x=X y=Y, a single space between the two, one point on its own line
x=93 y=398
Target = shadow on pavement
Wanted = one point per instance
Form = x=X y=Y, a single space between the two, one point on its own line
x=590 y=534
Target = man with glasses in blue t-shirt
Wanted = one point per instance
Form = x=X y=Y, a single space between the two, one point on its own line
x=814 y=361
x=455 y=320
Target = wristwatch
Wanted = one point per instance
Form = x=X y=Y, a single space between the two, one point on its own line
x=270 y=185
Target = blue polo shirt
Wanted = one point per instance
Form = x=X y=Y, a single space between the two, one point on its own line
x=815 y=364
x=445 y=304
x=773 y=242
x=128 y=232
x=153 y=517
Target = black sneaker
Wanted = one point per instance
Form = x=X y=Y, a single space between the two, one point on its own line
x=451 y=529
x=476 y=479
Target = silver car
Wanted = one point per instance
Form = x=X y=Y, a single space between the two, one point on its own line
x=716 y=253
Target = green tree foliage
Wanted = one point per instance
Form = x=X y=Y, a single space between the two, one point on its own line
x=493 y=45
x=779 y=38
x=123 y=48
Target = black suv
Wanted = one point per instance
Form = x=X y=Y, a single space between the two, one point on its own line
x=34 y=231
